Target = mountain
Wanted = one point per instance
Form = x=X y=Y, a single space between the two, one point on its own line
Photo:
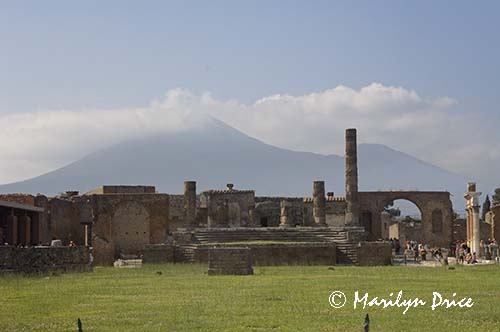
x=217 y=154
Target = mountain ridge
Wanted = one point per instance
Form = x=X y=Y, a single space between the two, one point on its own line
x=217 y=154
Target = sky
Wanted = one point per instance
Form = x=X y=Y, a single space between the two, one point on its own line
x=420 y=77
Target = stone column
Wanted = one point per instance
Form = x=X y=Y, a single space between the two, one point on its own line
x=319 y=203
x=476 y=230
x=24 y=224
x=467 y=224
x=286 y=219
x=351 y=177
x=473 y=207
x=190 y=204
x=12 y=229
x=42 y=231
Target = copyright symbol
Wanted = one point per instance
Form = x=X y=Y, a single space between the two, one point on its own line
x=337 y=299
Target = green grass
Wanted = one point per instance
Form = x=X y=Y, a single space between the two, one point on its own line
x=185 y=298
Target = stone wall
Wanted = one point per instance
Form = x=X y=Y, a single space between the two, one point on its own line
x=176 y=213
x=122 y=190
x=130 y=221
x=158 y=253
x=228 y=208
x=406 y=231
x=44 y=259
x=64 y=221
x=460 y=230
x=24 y=199
x=281 y=254
x=229 y=260
x=374 y=253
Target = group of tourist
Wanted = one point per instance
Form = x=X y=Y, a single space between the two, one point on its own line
x=487 y=249
x=419 y=251
x=464 y=254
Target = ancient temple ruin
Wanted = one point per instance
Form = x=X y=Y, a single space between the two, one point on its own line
x=121 y=221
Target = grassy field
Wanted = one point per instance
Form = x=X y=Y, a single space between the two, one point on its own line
x=184 y=298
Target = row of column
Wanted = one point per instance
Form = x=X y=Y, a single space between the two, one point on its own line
x=18 y=230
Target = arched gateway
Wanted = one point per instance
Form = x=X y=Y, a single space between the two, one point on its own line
x=435 y=207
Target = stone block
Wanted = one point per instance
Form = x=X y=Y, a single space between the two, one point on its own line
x=229 y=261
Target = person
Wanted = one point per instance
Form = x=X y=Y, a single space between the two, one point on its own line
x=416 y=253
x=423 y=253
x=72 y=244
x=473 y=259
x=397 y=246
x=461 y=255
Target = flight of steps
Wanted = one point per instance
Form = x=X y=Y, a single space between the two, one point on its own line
x=346 y=249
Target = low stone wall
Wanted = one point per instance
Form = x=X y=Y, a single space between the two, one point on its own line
x=158 y=253
x=229 y=260
x=374 y=253
x=281 y=254
x=44 y=259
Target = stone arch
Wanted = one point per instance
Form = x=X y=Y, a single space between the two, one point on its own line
x=426 y=202
x=130 y=227
x=437 y=221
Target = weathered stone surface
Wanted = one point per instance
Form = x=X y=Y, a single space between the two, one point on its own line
x=44 y=259
x=351 y=177
x=158 y=253
x=229 y=260
x=319 y=203
x=374 y=253
x=281 y=254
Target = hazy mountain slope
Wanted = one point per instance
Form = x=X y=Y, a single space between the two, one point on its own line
x=219 y=154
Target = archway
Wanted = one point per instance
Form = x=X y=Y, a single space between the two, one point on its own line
x=403 y=221
x=431 y=206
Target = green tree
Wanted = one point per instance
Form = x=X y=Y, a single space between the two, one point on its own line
x=486 y=207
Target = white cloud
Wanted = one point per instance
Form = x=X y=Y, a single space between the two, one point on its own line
x=33 y=143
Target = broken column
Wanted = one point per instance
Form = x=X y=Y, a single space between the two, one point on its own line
x=473 y=219
x=286 y=218
x=190 y=204
x=351 y=178
x=319 y=203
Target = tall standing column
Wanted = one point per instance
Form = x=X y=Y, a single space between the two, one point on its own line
x=476 y=230
x=467 y=224
x=190 y=204
x=351 y=177
x=473 y=206
x=319 y=203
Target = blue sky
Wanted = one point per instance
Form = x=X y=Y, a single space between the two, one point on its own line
x=64 y=55
x=60 y=54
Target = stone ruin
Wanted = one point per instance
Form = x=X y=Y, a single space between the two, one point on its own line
x=125 y=221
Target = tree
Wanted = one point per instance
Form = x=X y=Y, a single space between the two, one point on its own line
x=496 y=197
x=486 y=207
